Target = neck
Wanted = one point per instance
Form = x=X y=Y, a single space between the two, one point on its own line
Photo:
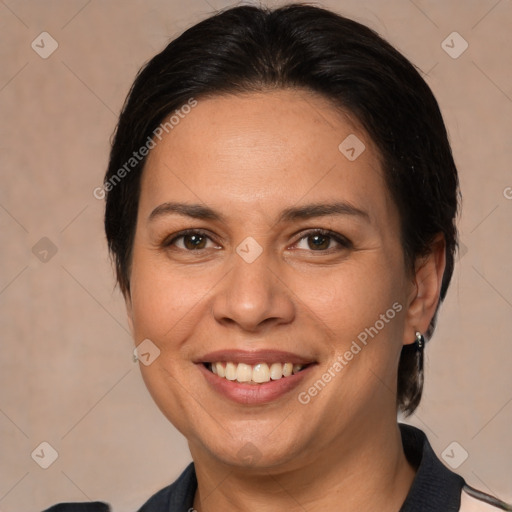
x=365 y=471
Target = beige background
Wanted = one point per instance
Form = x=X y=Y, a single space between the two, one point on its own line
x=67 y=375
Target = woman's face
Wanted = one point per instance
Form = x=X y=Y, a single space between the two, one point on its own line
x=292 y=255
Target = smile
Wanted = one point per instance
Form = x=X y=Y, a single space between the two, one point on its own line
x=259 y=373
x=254 y=377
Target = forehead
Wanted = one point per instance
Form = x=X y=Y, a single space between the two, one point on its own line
x=264 y=151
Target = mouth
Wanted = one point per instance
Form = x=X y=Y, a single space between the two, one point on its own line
x=254 y=377
x=255 y=374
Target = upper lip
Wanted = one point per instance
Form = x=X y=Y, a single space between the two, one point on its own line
x=253 y=357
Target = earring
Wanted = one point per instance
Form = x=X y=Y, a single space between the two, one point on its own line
x=420 y=341
x=420 y=352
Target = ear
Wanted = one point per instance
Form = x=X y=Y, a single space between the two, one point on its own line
x=425 y=290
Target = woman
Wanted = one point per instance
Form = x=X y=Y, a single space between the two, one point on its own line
x=281 y=203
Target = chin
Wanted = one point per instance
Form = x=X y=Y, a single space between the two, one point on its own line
x=251 y=448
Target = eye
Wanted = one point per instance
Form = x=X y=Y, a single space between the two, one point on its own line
x=322 y=240
x=190 y=240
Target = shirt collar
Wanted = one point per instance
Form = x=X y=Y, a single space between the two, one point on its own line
x=435 y=488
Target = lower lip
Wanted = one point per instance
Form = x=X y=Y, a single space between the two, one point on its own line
x=253 y=394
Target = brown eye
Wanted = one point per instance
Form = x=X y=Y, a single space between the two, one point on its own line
x=192 y=240
x=322 y=240
x=318 y=242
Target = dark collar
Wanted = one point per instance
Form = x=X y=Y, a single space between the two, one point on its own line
x=177 y=497
x=435 y=488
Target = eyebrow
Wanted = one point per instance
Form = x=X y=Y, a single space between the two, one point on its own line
x=197 y=211
x=308 y=211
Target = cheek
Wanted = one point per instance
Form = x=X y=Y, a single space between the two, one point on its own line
x=164 y=300
x=165 y=305
x=362 y=316
x=351 y=297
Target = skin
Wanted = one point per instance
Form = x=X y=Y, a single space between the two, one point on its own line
x=249 y=157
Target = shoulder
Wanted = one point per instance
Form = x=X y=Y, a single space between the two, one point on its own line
x=177 y=496
x=92 y=506
x=472 y=500
x=435 y=487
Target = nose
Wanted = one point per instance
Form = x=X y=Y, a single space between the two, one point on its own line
x=253 y=296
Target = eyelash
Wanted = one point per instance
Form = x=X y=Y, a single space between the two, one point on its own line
x=340 y=239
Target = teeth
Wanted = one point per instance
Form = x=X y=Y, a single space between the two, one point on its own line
x=287 y=369
x=296 y=368
x=243 y=372
x=221 y=371
x=261 y=373
x=276 y=371
x=254 y=374
x=230 y=371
